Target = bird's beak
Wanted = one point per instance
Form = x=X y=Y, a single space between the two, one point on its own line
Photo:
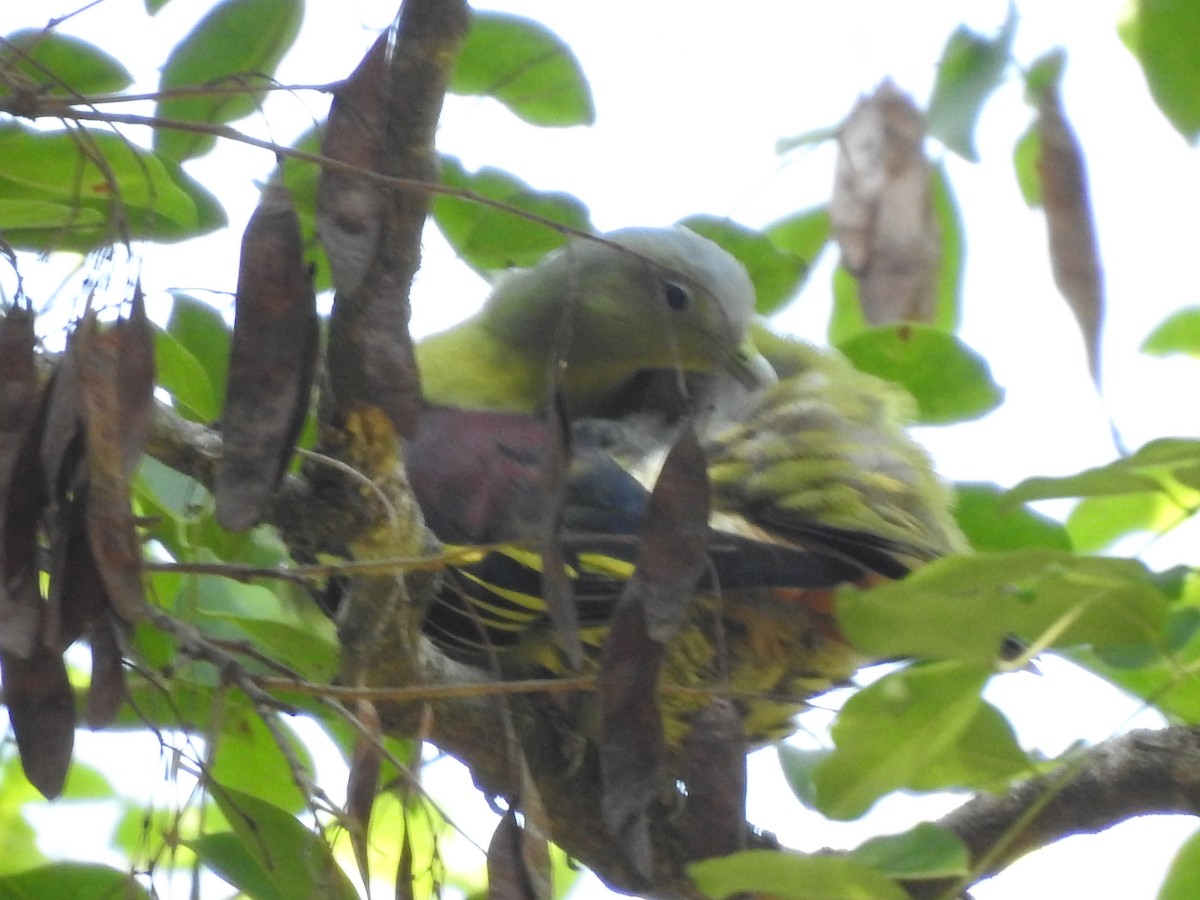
x=750 y=368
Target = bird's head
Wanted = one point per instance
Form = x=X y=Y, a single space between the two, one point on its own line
x=637 y=300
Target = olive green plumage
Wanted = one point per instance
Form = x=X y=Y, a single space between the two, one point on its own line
x=828 y=445
x=642 y=300
x=820 y=461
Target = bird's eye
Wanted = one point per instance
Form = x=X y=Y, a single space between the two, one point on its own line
x=677 y=296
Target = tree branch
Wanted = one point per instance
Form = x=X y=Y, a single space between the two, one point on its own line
x=1144 y=772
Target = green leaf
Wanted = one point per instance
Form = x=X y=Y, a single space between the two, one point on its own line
x=799 y=767
x=1183 y=878
x=203 y=332
x=247 y=759
x=1097 y=522
x=225 y=854
x=526 y=67
x=790 y=876
x=804 y=234
x=1026 y=155
x=1162 y=35
x=922 y=728
x=300 y=178
x=491 y=239
x=1045 y=74
x=18 y=840
x=312 y=650
x=964 y=607
x=776 y=273
x=59 y=65
x=847 y=319
x=133 y=192
x=1166 y=680
x=1168 y=465
x=971 y=68
x=923 y=852
x=951 y=262
x=295 y=861
x=170 y=495
x=1179 y=333
x=950 y=382
x=992 y=523
x=234 y=49
x=182 y=376
x=43 y=216
x=80 y=881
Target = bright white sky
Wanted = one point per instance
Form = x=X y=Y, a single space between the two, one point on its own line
x=691 y=98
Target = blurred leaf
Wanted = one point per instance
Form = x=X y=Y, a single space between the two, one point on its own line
x=491 y=239
x=991 y=522
x=1096 y=522
x=1045 y=74
x=971 y=68
x=1166 y=465
x=1162 y=35
x=925 y=851
x=964 y=607
x=951 y=383
x=777 y=273
x=18 y=839
x=45 y=216
x=1178 y=333
x=294 y=860
x=134 y=193
x=172 y=494
x=951 y=260
x=59 y=65
x=790 y=876
x=1164 y=676
x=313 y=652
x=922 y=728
x=526 y=67
x=226 y=854
x=799 y=767
x=80 y=881
x=847 y=319
x=234 y=49
x=805 y=235
x=1026 y=153
x=247 y=759
x=1183 y=878
x=181 y=375
x=203 y=332
x=300 y=179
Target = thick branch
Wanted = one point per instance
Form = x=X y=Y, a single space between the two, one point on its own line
x=1139 y=773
